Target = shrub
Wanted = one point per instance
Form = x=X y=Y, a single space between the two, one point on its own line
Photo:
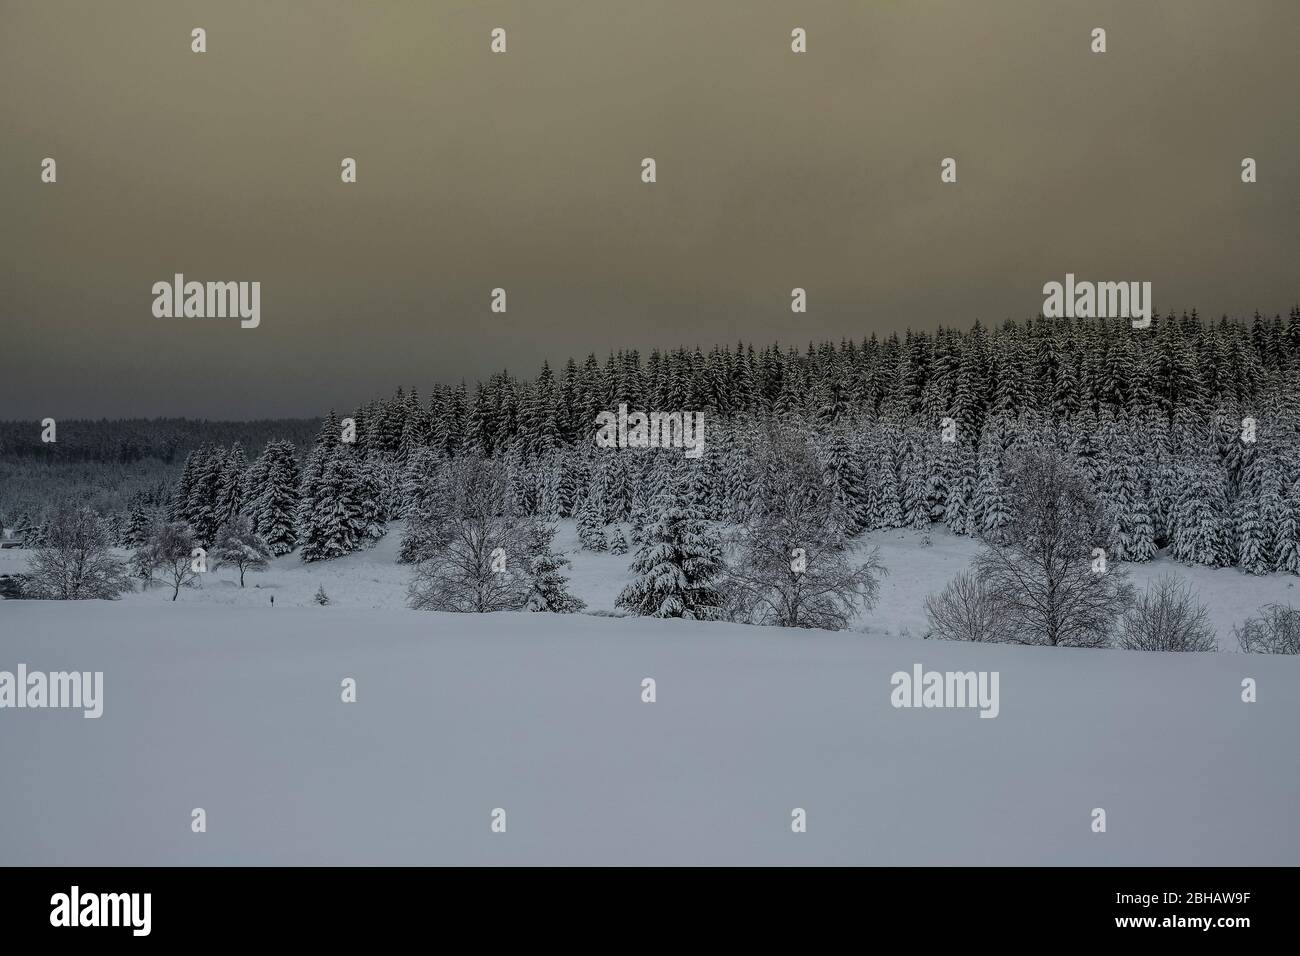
x=1165 y=617
x=1275 y=631
x=965 y=611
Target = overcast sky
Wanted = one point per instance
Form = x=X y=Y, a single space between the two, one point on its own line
x=522 y=170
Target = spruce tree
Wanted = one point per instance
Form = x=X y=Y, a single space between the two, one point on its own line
x=1200 y=537
x=675 y=571
x=547 y=584
x=1286 y=535
x=276 y=501
x=1254 y=536
x=137 y=527
x=994 y=506
x=230 y=489
x=591 y=527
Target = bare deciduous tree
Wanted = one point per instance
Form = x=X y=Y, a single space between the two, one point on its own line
x=74 y=562
x=1044 y=581
x=789 y=568
x=1166 y=617
x=463 y=570
x=169 y=549
x=965 y=610
x=238 y=546
x=1275 y=630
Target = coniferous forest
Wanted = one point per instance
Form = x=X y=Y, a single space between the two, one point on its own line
x=1187 y=431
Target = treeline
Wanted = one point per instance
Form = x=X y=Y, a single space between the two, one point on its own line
x=1187 y=431
x=1063 y=369
x=129 y=440
x=111 y=465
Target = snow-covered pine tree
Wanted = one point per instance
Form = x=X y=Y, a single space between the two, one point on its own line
x=202 y=504
x=230 y=488
x=1200 y=536
x=738 y=472
x=371 y=483
x=277 y=500
x=178 y=509
x=337 y=524
x=25 y=528
x=616 y=486
x=1137 y=526
x=1132 y=532
x=548 y=586
x=1255 y=534
x=916 y=505
x=700 y=485
x=842 y=475
x=639 y=520
x=591 y=526
x=1286 y=533
x=255 y=482
x=565 y=488
x=426 y=527
x=311 y=502
x=137 y=526
x=888 y=499
x=675 y=571
x=419 y=476
x=959 y=513
x=936 y=483
x=617 y=541
x=994 y=506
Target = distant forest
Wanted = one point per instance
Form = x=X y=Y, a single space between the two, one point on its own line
x=107 y=464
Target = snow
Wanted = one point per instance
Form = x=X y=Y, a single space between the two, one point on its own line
x=234 y=706
x=238 y=711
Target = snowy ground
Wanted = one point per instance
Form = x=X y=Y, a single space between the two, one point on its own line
x=374 y=579
x=221 y=701
x=237 y=710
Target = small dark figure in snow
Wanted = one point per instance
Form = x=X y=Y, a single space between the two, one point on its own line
x=272 y=600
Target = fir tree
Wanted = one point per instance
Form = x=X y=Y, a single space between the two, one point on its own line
x=547 y=584
x=675 y=569
x=334 y=519
x=1199 y=536
x=1254 y=536
x=275 y=502
x=230 y=489
x=591 y=529
x=1286 y=539
x=138 y=526
x=994 y=506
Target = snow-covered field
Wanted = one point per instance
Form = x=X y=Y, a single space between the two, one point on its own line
x=237 y=710
x=223 y=702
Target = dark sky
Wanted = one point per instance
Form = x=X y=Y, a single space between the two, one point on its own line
x=522 y=170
